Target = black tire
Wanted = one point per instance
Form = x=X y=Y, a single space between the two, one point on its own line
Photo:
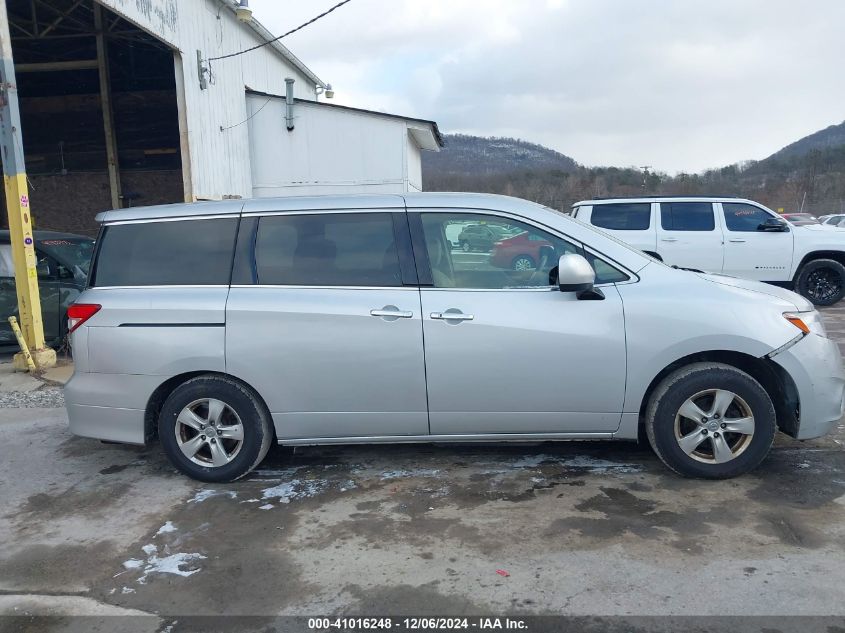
x=822 y=281
x=526 y=258
x=684 y=384
x=253 y=417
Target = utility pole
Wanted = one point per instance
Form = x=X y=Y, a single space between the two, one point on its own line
x=17 y=205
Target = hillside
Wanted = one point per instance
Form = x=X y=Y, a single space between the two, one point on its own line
x=474 y=155
x=828 y=138
x=808 y=174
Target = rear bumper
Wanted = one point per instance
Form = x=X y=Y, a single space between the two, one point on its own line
x=815 y=365
x=106 y=423
x=109 y=406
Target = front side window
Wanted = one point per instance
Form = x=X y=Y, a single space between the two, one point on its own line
x=523 y=256
x=177 y=253
x=635 y=216
x=743 y=217
x=327 y=249
x=687 y=216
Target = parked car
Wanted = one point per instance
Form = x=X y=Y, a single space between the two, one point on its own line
x=520 y=252
x=480 y=237
x=800 y=219
x=835 y=219
x=220 y=328
x=63 y=260
x=732 y=236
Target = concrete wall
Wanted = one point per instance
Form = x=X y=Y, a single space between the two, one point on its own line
x=330 y=150
x=219 y=163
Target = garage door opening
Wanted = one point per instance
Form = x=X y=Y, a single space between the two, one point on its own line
x=99 y=112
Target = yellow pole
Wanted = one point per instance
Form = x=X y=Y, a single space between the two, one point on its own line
x=24 y=348
x=17 y=205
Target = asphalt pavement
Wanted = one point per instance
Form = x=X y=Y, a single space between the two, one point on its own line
x=589 y=528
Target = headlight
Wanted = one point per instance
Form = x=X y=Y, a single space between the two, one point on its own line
x=807 y=322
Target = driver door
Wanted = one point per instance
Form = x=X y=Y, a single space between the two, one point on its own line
x=751 y=253
x=506 y=352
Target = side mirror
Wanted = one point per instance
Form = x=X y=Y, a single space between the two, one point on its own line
x=574 y=274
x=774 y=225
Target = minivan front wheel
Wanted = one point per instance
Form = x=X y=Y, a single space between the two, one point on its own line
x=710 y=420
x=214 y=429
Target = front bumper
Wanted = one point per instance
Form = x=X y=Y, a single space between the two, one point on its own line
x=815 y=365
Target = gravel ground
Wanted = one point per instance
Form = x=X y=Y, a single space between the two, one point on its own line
x=44 y=398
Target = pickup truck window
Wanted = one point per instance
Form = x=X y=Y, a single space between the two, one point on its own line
x=687 y=216
x=743 y=217
x=622 y=217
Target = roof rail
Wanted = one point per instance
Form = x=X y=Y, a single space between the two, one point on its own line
x=675 y=195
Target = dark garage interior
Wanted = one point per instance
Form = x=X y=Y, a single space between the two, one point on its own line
x=62 y=50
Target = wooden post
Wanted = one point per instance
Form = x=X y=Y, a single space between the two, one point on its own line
x=108 y=112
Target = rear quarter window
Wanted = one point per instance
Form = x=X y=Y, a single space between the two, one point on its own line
x=176 y=253
x=635 y=216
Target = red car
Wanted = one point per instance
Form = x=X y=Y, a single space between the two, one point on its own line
x=520 y=252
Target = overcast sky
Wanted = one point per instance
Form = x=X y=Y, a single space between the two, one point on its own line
x=680 y=85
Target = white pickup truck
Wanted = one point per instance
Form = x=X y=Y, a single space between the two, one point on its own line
x=732 y=236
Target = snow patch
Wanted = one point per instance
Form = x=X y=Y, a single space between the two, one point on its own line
x=166 y=528
x=295 y=489
x=266 y=506
x=415 y=472
x=204 y=495
x=172 y=564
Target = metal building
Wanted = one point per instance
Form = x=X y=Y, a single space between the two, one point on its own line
x=124 y=104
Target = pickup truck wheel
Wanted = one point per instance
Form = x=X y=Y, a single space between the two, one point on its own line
x=214 y=429
x=711 y=421
x=822 y=281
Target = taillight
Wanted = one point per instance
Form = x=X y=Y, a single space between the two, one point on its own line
x=79 y=313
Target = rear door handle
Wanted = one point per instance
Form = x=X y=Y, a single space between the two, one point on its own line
x=451 y=316
x=669 y=239
x=391 y=312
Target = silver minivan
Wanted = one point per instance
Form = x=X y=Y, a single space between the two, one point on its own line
x=218 y=328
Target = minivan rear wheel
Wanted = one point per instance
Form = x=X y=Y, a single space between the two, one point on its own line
x=214 y=429
x=710 y=420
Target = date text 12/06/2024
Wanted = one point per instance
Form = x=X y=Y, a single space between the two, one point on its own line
x=416 y=624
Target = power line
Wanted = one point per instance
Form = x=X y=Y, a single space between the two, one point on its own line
x=248 y=119
x=276 y=39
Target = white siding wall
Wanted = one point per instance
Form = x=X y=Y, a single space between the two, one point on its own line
x=414 y=164
x=219 y=160
x=330 y=150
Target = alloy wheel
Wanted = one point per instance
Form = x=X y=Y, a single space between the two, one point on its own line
x=209 y=432
x=823 y=284
x=714 y=426
x=523 y=263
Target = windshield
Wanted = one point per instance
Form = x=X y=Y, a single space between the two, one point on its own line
x=74 y=253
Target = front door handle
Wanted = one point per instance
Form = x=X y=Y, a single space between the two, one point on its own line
x=451 y=315
x=391 y=313
x=736 y=240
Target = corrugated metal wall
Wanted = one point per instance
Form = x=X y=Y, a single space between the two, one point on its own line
x=219 y=159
